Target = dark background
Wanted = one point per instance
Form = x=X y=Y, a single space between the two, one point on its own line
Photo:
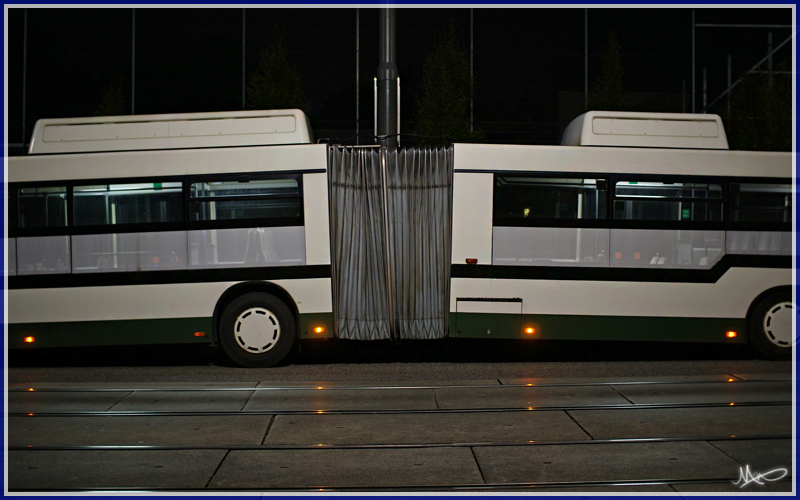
x=528 y=62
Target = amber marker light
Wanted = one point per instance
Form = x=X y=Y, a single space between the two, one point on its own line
x=472 y=261
x=319 y=329
x=731 y=335
x=530 y=330
x=199 y=334
x=29 y=340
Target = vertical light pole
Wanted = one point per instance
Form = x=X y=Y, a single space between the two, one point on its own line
x=585 y=58
x=387 y=78
x=358 y=90
x=705 y=91
x=243 y=56
x=729 y=86
x=693 y=62
x=24 y=69
x=133 y=60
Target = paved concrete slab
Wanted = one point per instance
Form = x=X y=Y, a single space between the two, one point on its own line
x=186 y=401
x=132 y=431
x=424 y=428
x=55 y=402
x=599 y=490
x=347 y=468
x=604 y=462
x=342 y=399
x=29 y=470
x=761 y=455
x=729 y=487
x=739 y=421
x=524 y=397
x=706 y=393
x=377 y=383
x=615 y=379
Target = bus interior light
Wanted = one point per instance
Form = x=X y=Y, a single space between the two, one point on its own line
x=731 y=334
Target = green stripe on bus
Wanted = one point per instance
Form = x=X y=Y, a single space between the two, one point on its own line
x=574 y=327
x=118 y=332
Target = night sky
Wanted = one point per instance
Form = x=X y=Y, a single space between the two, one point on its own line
x=526 y=60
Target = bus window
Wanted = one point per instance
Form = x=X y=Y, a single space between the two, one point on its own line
x=251 y=199
x=661 y=201
x=42 y=206
x=128 y=203
x=761 y=202
x=519 y=198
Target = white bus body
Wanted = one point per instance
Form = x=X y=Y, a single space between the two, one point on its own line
x=637 y=243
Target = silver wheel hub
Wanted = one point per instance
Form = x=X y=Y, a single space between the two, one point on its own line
x=778 y=324
x=256 y=330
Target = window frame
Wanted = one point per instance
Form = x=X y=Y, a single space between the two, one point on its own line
x=15 y=231
x=505 y=221
x=239 y=223
x=757 y=226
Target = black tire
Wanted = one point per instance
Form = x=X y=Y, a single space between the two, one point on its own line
x=767 y=326
x=261 y=338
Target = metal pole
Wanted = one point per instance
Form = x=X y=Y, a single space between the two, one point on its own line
x=586 y=57
x=471 y=89
x=684 y=97
x=729 y=85
x=693 y=63
x=358 y=48
x=769 y=61
x=243 y=56
x=375 y=108
x=753 y=69
x=387 y=78
x=133 y=61
x=24 y=71
x=705 y=91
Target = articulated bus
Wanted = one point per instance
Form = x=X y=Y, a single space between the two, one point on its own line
x=236 y=229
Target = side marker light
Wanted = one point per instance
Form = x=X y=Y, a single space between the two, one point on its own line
x=472 y=261
x=199 y=334
x=530 y=330
x=29 y=340
x=731 y=335
x=319 y=329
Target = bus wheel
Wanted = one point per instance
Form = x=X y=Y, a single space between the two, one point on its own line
x=257 y=330
x=770 y=326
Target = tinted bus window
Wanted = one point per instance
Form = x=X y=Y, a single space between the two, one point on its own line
x=660 y=201
x=128 y=203
x=253 y=199
x=42 y=206
x=761 y=202
x=547 y=198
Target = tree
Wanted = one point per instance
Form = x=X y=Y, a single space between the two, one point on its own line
x=275 y=83
x=112 y=101
x=761 y=113
x=607 y=95
x=443 y=104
